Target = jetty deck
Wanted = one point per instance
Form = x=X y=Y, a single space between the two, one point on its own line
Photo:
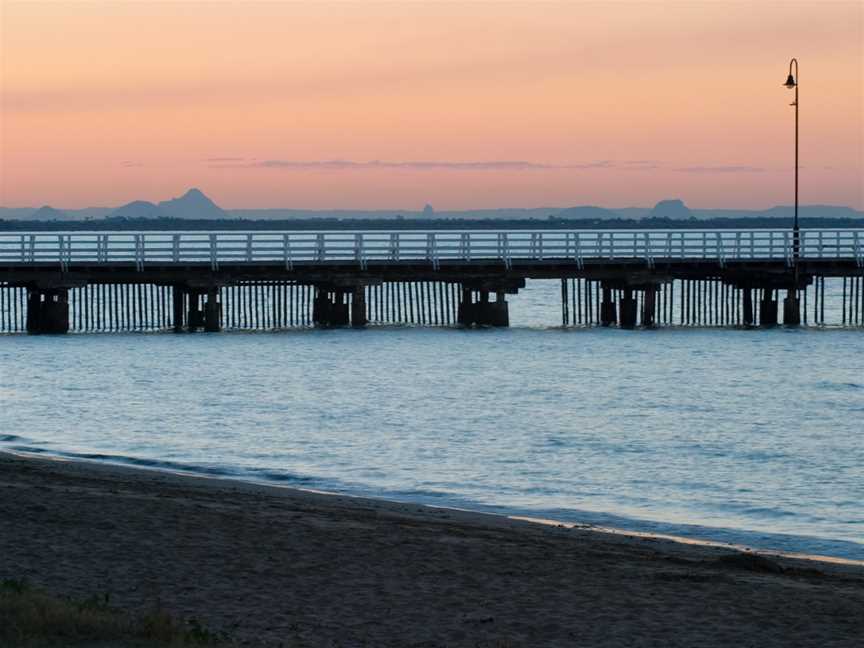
x=185 y=281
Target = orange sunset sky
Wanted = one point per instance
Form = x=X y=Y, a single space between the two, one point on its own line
x=606 y=103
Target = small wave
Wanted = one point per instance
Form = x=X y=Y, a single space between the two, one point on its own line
x=767 y=512
x=173 y=466
x=28 y=449
x=152 y=463
x=416 y=493
x=254 y=474
x=270 y=475
x=11 y=438
x=830 y=384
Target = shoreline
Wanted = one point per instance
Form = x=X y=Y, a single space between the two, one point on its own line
x=122 y=463
x=274 y=563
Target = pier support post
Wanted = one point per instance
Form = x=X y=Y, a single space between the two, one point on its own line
x=747 y=315
x=195 y=318
x=358 y=307
x=48 y=310
x=649 y=304
x=466 y=313
x=483 y=312
x=329 y=308
x=481 y=309
x=56 y=311
x=627 y=309
x=495 y=313
x=177 y=295
x=321 y=308
x=608 y=311
x=212 y=312
x=34 y=310
x=791 y=308
x=768 y=309
x=340 y=311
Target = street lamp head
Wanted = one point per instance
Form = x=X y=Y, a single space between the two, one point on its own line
x=790 y=82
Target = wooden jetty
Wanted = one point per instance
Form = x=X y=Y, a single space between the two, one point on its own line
x=187 y=281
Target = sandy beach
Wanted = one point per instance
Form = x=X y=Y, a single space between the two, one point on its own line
x=275 y=566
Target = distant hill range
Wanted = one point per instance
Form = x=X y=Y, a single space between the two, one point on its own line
x=194 y=205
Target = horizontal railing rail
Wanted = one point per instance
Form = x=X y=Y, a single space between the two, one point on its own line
x=577 y=246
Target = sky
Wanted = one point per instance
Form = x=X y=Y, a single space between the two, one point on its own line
x=392 y=105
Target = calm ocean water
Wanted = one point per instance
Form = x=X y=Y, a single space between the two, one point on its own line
x=752 y=437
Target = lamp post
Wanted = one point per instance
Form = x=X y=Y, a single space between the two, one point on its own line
x=791 y=310
x=792 y=82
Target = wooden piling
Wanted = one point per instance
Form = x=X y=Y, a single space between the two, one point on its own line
x=844 y=302
x=791 y=308
x=358 y=307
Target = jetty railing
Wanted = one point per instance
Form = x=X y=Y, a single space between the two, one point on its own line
x=435 y=248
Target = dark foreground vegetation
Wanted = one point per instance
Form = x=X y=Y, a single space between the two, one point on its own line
x=318 y=224
x=33 y=618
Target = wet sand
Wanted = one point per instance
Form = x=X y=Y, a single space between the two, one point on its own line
x=275 y=565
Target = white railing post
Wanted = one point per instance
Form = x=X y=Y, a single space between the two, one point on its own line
x=856 y=246
x=432 y=250
x=649 y=258
x=394 y=246
x=821 y=245
x=214 y=253
x=286 y=251
x=61 y=241
x=504 y=247
x=249 y=247
x=175 y=248
x=320 y=248
x=139 y=252
x=580 y=262
x=358 y=251
x=721 y=257
x=465 y=246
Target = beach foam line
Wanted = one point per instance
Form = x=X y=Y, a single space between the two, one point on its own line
x=183 y=470
x=696 y=542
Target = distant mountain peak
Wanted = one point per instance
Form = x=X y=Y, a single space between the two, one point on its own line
x=673 y=208
x=137 y=209
x=585 y=212
x=192 y=204
x=47 y=212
